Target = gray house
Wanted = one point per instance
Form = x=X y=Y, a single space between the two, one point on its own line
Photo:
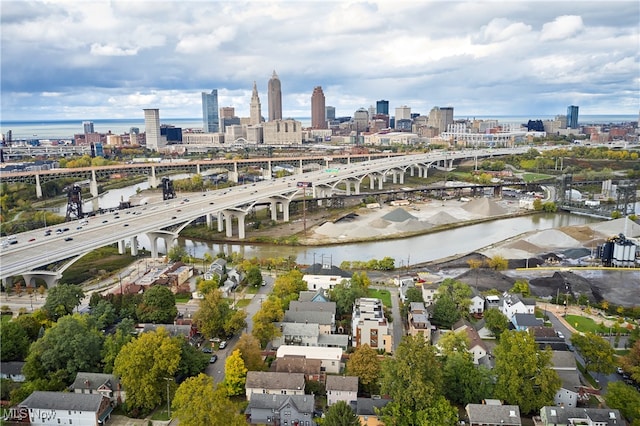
x=561 y=416
x=291 y=410
x=98 y=383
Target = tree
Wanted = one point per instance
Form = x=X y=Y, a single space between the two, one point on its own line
x=340 y=414
x=73 y=344
x=15 y=341
x=254 y=276
x=413 y=379
x=207 y=286
x=345 y=295
x=598 y=354
x=192 y=360
x=466 y=382
x=158 y=306
x=235 y=374
x=521 y=287
x=453 y=342
x=62 y=300
x=288 y=287
x=498 y=263
x=264 y=328
x=104 y=314
x=212 y=315
x=496 y=321
x=460 y=293
x=624 y=398
x=114 y=342
x=523 y=372
x=445 y=312
x=630 y=362
x=199 y=402
x=176 y=253
x=250 y=352
x=235 y=322
x=143 y=364
x=364 y=364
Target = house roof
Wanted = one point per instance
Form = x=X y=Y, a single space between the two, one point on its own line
x=312 y=352
x=11 y=368
x=297 y=364
x=526 y=320
x=570 y=379
x=299 y=329
x=316 y=317
x=302 y=403
x=416 y=306
x=333 y=340
x=561 y=415
x=342 y=383
x=95 y=380
x=297 y=306
x=544 y=333
x=172 y=329
x=274 y=380
x=312 y=296
x=563 y=360
x=494 y=414
x=48 y=400
x=367 y=406
x=319 y=269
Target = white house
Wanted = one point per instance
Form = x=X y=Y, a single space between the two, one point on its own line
x=45 y=408
x=324 y=276
x=564 y=363
x=99 y=383
x=477 y=348
x=341 y=388
x=331 y=358
x=515 y=304
x=271 y=382
x=477 y=302
x=12 y=370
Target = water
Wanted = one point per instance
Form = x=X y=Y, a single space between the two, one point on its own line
x=65 y=129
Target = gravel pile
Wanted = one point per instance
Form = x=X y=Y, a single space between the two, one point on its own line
x=617 y=226
x=398 y=215
x=442 y=218
x=552 y=238
x=485 y=207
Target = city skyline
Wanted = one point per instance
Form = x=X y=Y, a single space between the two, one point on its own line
x=112 y=60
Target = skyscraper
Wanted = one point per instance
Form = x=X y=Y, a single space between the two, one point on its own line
x=572 y=117
x=210 y=120
x=441 y=118
x=318 y=119
x=152 y=129
x=382 y=107
x=88 y=127
x=274 y=98
x=330 y=113
x=255 y=111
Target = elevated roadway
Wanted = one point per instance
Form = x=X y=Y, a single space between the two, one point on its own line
x=165 y=219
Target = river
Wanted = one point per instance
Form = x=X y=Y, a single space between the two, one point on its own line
x=405 y=251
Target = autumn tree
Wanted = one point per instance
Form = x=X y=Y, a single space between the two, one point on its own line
x=413 y=379
x=596 y=351
x=199 y=402
x=73 y=344
x=365 y=364
x=250 y=352
x=62 y=300
x=206 y=286
x=453 y=342
x=236 y=320
x=114 y=342
x=496 y=321
x=521 y=286
x=288 y=287
x=624 y=398
x=264 y=328
x=143 y=364
x=340 y=414
x=630 y=362
x=158 y=306
x=498 y=263
x=212 y=315
x=524 y=376
x=235 y=374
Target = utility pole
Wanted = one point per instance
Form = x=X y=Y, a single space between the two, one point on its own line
x=168 y=379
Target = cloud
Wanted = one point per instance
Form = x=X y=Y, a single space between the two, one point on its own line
x=111 y=50
x=561 y=28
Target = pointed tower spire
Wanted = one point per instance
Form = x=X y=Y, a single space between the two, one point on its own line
x=255 y=113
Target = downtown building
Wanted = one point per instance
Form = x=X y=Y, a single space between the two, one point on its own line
x=210 y=120
x=318 y=111
x=274 y=97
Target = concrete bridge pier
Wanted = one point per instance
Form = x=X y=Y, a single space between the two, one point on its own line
x=233 y=176
x=168 y=237
x=209 y=219
x=347 y=186
x=381 y=181
x=153 y=181
x=50 y=278
x=356 y=186
x=229 y=223
x=372 y=181
x=7 y=283
x=134 y=246
x=93 y=184
x=38 y=187
x=122 y=247
x=220 y=221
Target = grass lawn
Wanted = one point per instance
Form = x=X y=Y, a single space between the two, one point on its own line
x=383 y=295
x=183 y=298
x=532 y=177
x=584 y=324
x=243 y=303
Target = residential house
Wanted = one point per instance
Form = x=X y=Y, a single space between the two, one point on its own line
x=493 y=302
x=273 y=383
x=322 y=313
x=12 y=370
x=522 y=322
x=566 y=416
x=369 y=325
x=418 y=321
x=98 y=383
x=300 y=334
x=313 y=296
x=516 y=304
x=429 y=291
x=311 y=368
x=547 y=337
x=477 y=302
x=366 y=410
x=280 y=410
x=331 y=358
x=324 y=276
x=493 y=415
x=477 y=347
x=564 y=363
x=341 y=388
x=45 y=408
x=217 y=268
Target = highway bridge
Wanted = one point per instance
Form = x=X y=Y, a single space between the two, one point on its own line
x=165 y=219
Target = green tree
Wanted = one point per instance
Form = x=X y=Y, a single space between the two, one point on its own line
x=212 y=315
x=158 y=306
x=523 y=372
x=412 y=294
x=498 y=263
x=254 y=276
x=288 y=287
x=62 y=300
x=365 y=364
x=236 y=320
x=114 y=342
x=199 y=402
x=264 y=328
x=104 y=314
x=250 y=352
x=192 y=360
x=176 y=253
x=33 y=323
x=413 y=379
x=143 y=366
x=73 y=344
x=15 y=341
x=624 y=398
x=630 y=362
x=453 y=342
x=235 y=374
x=340 y=414
x=466 y=382
x=496 y=321
x=345 y=295
x=596 y=351
x=445 y=311
x=521 y=286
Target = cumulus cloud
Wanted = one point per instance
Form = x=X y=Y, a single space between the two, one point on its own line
x=561 y=28
x=111 y=50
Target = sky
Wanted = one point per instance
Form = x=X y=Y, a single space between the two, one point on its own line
x=110 y=59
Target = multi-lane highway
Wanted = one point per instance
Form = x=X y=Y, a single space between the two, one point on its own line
x=33 y=249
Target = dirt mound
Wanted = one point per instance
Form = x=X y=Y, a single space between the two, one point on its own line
x=485 y=207
x=553 y=238
x=442 y=218
x=617 y=226
x=379 y=223
x=486 y=279
x=398 y=215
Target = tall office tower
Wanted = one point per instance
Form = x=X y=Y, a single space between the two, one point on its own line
x=371 y=110
x=255 y=112
x=152 y=129
x=330 y=113
x=572 y=117
x=318 y=119
x=403 y=113
x=227 y=112
x=382 y=107
x=88 y=127
x=274 y=97
x=210 y=121
x=361 y=120
x=441 y=118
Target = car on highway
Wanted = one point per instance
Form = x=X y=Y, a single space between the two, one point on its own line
x=31 y=240
x=68 y=239
x=213 y=359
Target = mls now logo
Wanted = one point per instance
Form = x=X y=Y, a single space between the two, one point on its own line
x=15 y=414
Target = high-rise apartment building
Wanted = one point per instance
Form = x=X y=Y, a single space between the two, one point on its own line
x=255 y=111
x=274 y=97
x=152 y=129
x=382 y=107
x=330 y=113
x=210 y=121
x=572 y=117
x=318 y=119
x=441 y=118
x=87 y=126
x=403 y=113
x=361 y=120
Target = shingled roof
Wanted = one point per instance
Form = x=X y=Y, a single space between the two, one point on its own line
x=47 y=400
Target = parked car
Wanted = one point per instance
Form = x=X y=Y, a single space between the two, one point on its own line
x=206 y=350
x=213 y=359
x=223 y=344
